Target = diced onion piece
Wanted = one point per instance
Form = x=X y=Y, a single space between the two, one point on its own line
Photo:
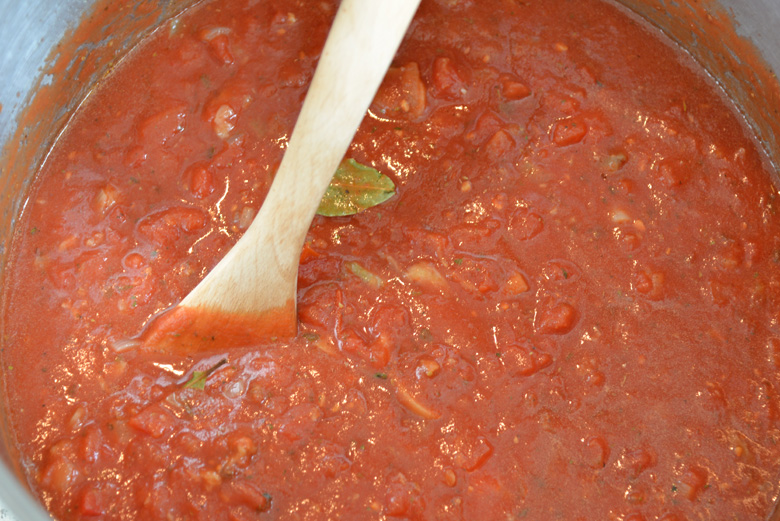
x=69 y=242
x=425 y=273
x=59 y=474
x=393 y=263
x=105 y=198
x=614 y=162
x=96 y=239
x=326 y=346
x=77 y=419
x=428 y=367
x=245 y=218
x=211 y=478
x=213 y=32
x=224 y=121
x=414 y=405
x=619 y=216
x=125 y=344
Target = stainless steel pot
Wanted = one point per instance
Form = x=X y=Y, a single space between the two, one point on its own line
x=47 y=66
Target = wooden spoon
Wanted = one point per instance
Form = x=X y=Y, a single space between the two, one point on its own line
x=251 y=294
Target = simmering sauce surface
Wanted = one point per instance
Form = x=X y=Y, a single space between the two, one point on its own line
x=568 y=311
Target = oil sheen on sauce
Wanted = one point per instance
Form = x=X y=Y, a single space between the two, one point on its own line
x=569 y=311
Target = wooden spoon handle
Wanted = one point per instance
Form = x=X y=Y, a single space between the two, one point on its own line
x=360 y=46
x=363 y=40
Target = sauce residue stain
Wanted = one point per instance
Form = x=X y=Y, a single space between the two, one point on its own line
x=86 y=55
x=708 y=32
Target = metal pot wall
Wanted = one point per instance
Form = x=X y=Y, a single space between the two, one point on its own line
x=54 y=51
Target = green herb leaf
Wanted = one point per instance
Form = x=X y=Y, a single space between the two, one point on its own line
x=311 y=337
x=366 y=276
x=198 y=380
x=354 y=188
x=425 y=335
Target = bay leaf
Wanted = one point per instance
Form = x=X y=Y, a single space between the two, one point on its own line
x=354 y=188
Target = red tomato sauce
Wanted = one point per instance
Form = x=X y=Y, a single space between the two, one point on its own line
x=569 y=310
